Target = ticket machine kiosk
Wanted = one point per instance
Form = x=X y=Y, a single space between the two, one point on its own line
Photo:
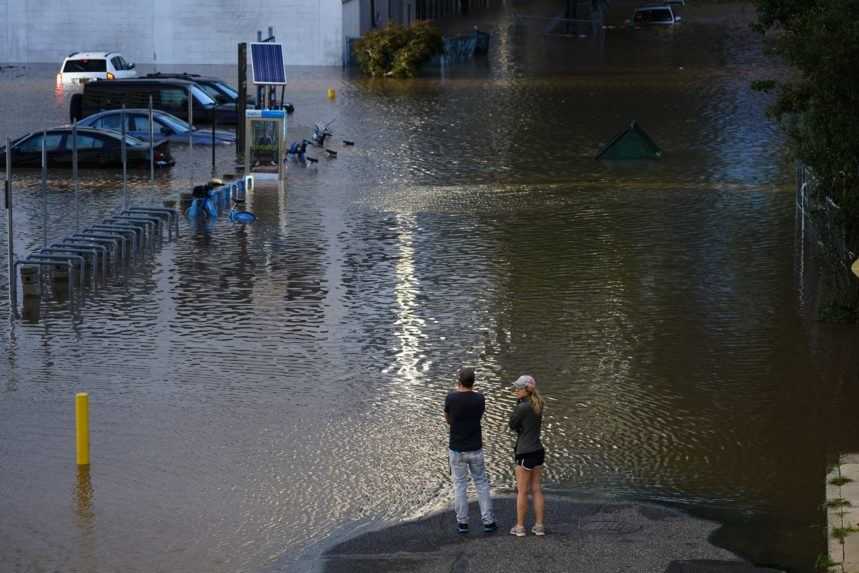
x=265 y=143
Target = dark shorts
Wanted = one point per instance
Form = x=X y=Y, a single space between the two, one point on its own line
x=531 y=460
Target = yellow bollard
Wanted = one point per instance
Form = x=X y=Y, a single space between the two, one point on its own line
x=331 y=93
x=82 y=427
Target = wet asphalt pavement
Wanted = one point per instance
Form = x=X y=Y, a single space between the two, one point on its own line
x=581 y=537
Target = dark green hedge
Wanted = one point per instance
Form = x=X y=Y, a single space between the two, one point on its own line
x=398 y=51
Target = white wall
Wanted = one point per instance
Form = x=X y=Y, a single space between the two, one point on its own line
x=169 y=31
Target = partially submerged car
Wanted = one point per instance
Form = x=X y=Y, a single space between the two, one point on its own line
x=165 y=126
x=96 y=148
x=83 y=67
x=170 y=95
x=655 y=15
x=216 y=88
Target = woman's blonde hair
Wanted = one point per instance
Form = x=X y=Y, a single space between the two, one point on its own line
x=535 y=399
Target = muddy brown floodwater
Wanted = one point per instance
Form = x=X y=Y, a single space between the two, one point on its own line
x=254 y=389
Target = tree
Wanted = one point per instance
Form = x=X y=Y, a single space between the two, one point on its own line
x=819 y=105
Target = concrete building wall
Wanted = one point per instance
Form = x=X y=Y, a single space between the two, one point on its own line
x=169 y=31
x=351 y=18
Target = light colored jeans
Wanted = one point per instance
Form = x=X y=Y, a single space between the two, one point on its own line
x=461 y=463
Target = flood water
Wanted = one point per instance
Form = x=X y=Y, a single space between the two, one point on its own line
x=255 y=389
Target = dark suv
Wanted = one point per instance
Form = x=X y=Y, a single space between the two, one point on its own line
x=170 y=95
x=218 y=89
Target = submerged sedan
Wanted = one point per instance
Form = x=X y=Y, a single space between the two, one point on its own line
x=166 y=126
x=96 y=148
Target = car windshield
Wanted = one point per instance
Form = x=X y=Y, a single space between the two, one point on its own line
x=84 y=66
x=655 y=15
x=201 y=96
x=120 y=63
x=227 y=89
x=211 y=91
x=174 y=123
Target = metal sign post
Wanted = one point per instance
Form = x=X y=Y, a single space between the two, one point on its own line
x=191 y=135
x=13 y=280
x=75 y=174
x=124 y=164
x=151 y=143
x=44 y=190
x=214 y=121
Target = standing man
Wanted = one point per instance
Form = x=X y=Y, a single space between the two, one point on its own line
x=463 y=409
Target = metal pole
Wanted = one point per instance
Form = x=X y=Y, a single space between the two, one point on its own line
x=241 y=105
x=260 y=102
x=75 y=174
x=151 y=143
x=124 y=164
x=44 y=190
x=191 y=135
x=214 y=120
x=13 y=280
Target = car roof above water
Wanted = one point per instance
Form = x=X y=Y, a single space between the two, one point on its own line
x=115 y=84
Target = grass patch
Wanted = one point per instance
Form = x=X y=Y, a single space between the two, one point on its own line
x=840 y=481
x=841 y=533
x=837 y=502
x=823 y=563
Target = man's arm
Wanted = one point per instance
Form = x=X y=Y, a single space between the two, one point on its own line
x=447 y=409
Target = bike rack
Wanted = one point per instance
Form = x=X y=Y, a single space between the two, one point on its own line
x=170 y=214
x=94 y=249
x=113 y=240
x=129 y=234
x=147 y=220
x=41 y=263
x=77 y=252
x=54 y=259
x=132 y=233
x=103 y=236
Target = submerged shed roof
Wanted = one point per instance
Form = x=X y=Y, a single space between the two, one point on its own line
x=631 y=143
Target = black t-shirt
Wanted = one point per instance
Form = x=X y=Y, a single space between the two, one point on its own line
x=464 y=410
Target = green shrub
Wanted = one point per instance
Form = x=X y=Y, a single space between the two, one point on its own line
x=398 y=51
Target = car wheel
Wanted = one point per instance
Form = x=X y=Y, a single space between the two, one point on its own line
x=75 y=107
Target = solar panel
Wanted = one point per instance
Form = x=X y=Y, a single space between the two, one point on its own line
x=267 y=60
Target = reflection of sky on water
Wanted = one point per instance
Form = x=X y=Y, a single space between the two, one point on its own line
x=410 y=359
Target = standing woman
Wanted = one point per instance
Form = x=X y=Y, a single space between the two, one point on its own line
x=526 y=420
